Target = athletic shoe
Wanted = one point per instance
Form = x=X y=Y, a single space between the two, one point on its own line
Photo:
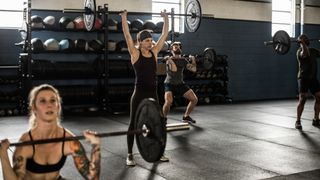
x=130 y=160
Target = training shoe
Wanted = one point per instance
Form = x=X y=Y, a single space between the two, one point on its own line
x=188 y=119
x=130 y=161
x=298 y=125
x=164 y=158
x=315 y=122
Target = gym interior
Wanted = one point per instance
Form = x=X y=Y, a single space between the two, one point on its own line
x=247 y=91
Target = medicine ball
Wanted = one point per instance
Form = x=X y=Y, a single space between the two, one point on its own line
x=36 y=21
x=66 y=23
x=137 y=25
x=98 y=23
x=95 y=45
x=112 y=45
x=49 y=22
x=51 y=45
x=159 y=26
x=122 y=46
x=148 y=24
x=112 y=24
x=80 y=44
x=119 y=25
x=79 y=23
x=36 y=45
x=66 y=45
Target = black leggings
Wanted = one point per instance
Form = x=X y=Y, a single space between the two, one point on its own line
x=138 y=95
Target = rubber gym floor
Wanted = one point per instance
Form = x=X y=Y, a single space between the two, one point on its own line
x=253 y=140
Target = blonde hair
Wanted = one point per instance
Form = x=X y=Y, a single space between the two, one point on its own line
x=32 y=102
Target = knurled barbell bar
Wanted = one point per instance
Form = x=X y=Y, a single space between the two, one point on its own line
x=281 y=42
x=193 y=14
x=150 y=130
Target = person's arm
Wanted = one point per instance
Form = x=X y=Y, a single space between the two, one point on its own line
x=193 y=65
x=171 y=65
x=18 y=170
x=304 y=50
x=89 y=169
x=165 y=31
x=126 y=32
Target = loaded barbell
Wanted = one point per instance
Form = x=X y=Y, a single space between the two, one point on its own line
x=281 y=42
x=150 y=130
x=193 y=14
x=206 y=59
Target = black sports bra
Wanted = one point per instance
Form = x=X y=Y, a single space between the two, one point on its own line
x=34 y=167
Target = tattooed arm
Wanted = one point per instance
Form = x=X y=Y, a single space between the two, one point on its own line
x=19 y=162
x=89 y=169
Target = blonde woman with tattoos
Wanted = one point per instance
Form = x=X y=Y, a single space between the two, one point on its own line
x=44 y=161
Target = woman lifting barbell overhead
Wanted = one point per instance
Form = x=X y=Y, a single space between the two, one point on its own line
x=45 y=161
x=144 y=62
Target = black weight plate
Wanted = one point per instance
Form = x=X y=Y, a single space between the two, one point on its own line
x=152 y=146
x=209 y=56
x=281 y=42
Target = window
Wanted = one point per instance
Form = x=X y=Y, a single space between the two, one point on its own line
x=160 y=5
x=283 y=16
x=11 y=15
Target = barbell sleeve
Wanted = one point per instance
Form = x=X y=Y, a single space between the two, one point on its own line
x=73 y=11
x=268 y=43
x=86 y=10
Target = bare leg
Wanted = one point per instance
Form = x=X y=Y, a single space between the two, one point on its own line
x=317 y=105
x=301 y=103
x=193 y=100
x=168 y=102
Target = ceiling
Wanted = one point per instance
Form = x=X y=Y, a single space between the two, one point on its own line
x=315 y=3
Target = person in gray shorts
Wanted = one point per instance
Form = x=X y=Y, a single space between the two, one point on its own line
x=174 y=84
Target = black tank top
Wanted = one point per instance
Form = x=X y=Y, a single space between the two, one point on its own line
x=145 y=70
x=34 y=167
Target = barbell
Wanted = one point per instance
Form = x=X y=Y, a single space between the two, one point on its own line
x=193 y=14
x=150 y=130
x=205 y=60
x=281 y=42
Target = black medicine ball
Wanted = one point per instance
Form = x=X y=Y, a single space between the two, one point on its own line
x=137 y=25
x=148 y=24
x=119 y=25
x=159 y=26
x=66 y=23
x=36 y=21
x=95 y=45
x=36 y=45
x=80 y=44
x=112 y=24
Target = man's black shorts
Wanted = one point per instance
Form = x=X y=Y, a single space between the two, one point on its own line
x=308 y=84
x=176 y=89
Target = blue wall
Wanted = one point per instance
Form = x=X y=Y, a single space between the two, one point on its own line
x=255 y=71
